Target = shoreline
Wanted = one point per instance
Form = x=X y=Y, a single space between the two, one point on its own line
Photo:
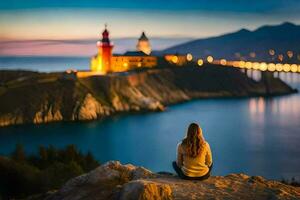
x=142 y=91
x=120 y=114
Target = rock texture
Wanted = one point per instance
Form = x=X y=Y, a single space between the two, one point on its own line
x=28 y=97
x=125 y=182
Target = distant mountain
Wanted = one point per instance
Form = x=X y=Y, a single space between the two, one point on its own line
x=282 y=38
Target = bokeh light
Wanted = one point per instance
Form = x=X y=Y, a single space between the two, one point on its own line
x=255 y=65
x=200 y=62
x=271 y=67
x=272 y=52
x=263 y=66
x=279 y=67
x=248 y=65
x=175 y=59
x=223 y=62
x=189 y=57
x=210 y=59
x=286 y=67
x=294 y=68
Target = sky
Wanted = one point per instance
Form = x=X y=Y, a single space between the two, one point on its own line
x=29 y=27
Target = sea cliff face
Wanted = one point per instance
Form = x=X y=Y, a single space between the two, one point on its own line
x=30 y=97
x=117 y=182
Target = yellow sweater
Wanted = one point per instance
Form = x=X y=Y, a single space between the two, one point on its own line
x=194 y=167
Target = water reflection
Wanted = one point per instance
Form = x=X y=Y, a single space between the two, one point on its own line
x=257 y=105
x=276 y=107
x=257 y=136
x=274 y=131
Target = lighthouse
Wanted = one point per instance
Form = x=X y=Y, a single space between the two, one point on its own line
x=144 y=44
x=103 y=60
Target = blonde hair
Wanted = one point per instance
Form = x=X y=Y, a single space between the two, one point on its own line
x=194 y=141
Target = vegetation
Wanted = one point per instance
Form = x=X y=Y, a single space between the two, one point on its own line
x=22 y=175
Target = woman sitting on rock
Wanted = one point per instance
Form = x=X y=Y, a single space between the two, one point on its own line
x=194 y=159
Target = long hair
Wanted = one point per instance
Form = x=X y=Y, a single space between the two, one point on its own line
x=194 y=141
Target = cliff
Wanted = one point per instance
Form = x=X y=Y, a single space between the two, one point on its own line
x=31 y=97
x=115 y=181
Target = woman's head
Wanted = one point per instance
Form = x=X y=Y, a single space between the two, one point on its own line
x=194 y=140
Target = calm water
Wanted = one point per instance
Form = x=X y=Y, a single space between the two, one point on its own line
x=44 y=64
x=256 y=136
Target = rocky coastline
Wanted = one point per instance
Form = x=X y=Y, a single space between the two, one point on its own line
x=32 y=97
x=115 y=181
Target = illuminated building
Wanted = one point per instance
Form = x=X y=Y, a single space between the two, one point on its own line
x=102 y=61
x=144 y=44
x=105 y=62
x=132 y=60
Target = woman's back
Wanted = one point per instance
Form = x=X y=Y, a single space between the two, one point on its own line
x=194 y=166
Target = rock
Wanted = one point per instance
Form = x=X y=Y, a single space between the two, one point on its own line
x=143 y=190
x=102 y=183
x=91 y=109
x=47 y=114
x=46 y=97
x=9 y=119
x=115 y=181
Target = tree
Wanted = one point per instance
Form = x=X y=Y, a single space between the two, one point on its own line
x=90 y=162
x=19 y=154
x=71 y=152
x=22 y=175
x=52 y=153
x=43 y=157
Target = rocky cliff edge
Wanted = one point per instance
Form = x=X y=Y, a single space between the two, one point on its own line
x=116 y=181
x=28 y=97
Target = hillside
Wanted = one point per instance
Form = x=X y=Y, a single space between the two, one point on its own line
x=115 y=181
x=281 y=38
x=28 y=97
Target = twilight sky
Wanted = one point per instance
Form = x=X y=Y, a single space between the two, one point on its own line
x=39 y=22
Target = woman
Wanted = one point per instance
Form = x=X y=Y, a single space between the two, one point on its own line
x=194 y=159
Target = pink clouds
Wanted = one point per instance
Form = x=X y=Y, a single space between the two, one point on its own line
x=80 y=47
x=46 y=48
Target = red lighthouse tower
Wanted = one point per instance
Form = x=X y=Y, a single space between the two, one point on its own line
x=105 y=51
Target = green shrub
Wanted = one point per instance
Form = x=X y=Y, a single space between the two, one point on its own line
x=18 y=178
x=49 y=169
